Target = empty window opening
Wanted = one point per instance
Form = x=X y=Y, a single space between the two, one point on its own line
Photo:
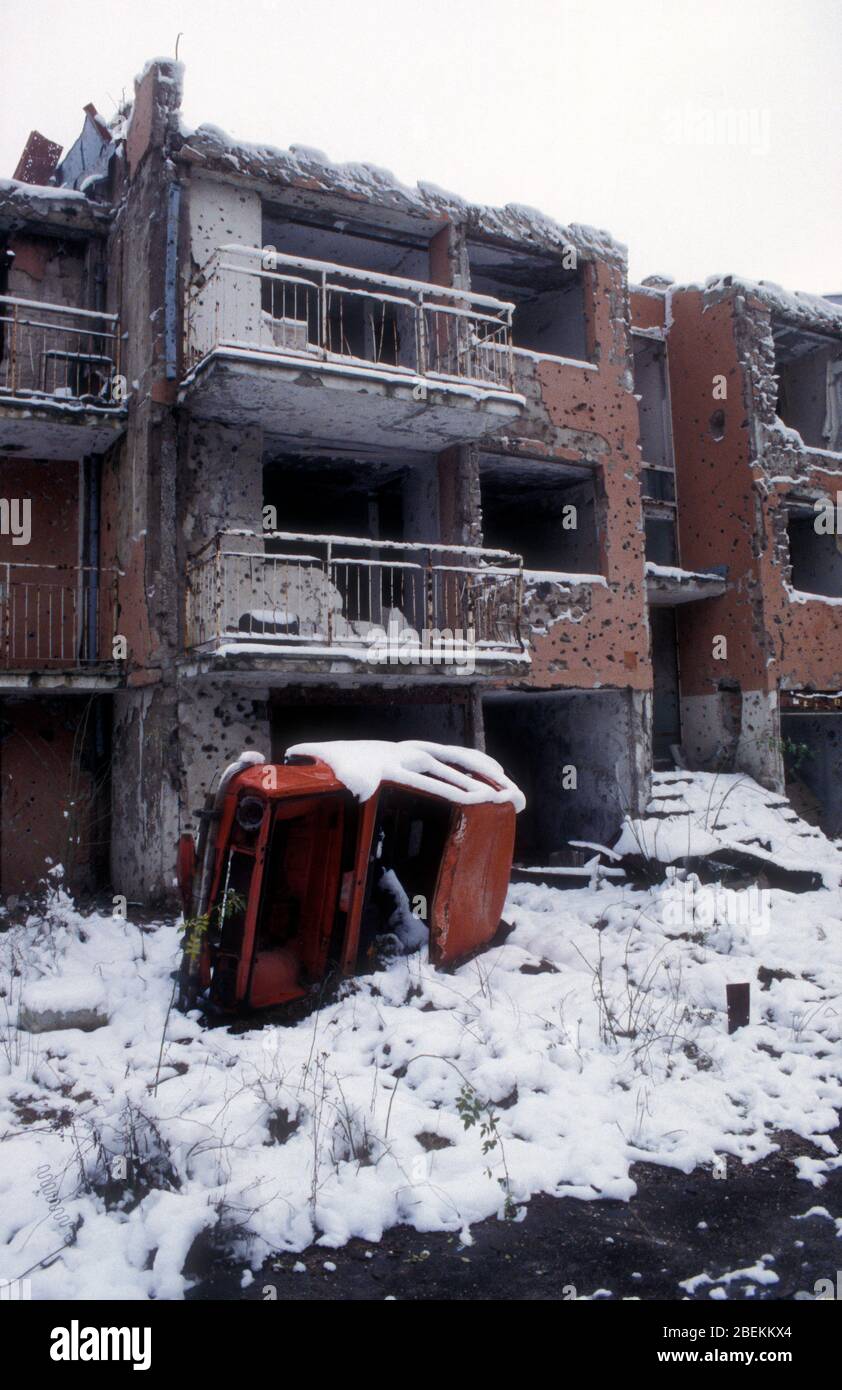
x=658 y=485
x=651 y=386
x=549 y=297
x=321 y=588
x=342 y=240
x=661 y=540
x=327 y=496
x=545 y=512
x=349 y=318
x=816 y=559
x=809 y=372
x=52 y=349
x=653 y=407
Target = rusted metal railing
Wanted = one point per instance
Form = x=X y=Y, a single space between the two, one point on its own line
x=322 y=593
x=55 y=351
x=56 y=616
x=262 y=301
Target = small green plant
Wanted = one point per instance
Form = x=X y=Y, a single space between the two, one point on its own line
x=197 y=928
x=792 y=753
x=473 y=1111
x=795 y=754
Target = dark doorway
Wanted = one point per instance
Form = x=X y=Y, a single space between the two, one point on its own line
x=666 y=704
x=300 y=716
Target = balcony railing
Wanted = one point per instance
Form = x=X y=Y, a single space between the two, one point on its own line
x=327 y=594
x=61 y=353
x=55 y=616
x=262 y=301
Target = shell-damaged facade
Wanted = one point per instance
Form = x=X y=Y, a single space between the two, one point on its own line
x=292 y=453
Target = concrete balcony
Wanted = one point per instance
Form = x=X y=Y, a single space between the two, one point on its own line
x=56 y=627
x=337 y=604
x=667 y=586
x=398 y=362
x=61 y=392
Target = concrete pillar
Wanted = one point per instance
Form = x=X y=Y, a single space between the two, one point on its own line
x=459 y=495
x=222 y=481
x=144 y=805
x=217 y=720
x=734 y=731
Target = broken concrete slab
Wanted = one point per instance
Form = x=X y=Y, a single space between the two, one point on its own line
x=53 y=1005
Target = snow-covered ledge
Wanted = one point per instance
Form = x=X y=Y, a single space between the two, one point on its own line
x=532 y=356
x=802 y=596
x=667 y=585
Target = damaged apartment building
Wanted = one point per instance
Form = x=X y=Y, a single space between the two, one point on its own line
x=292 y=452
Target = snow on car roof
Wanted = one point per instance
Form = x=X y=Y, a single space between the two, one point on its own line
x=439 y=768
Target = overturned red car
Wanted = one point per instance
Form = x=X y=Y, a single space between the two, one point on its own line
x=308 y=867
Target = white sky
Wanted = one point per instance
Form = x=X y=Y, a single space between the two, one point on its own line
x=705 y=135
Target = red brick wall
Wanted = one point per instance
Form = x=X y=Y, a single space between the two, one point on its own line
x=717 y=503
x=647 y=310
x=594 y=414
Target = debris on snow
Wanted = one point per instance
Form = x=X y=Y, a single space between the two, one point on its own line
x=50 y=1005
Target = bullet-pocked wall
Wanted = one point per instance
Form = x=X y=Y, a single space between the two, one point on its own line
x=584 y=414
x=454 y=459
x=140 y=491
x=728 y=701
x=744 y=476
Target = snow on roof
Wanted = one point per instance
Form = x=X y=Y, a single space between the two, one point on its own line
x=24 y=204
x=792 y=304
x=175 y=69
x=15 y=188
x=450 y=772
x=300 y=163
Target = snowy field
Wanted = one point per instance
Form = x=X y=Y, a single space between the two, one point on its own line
x=593 y=1038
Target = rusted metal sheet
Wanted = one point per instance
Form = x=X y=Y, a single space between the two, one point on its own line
x=473 y=880
x=38 y=160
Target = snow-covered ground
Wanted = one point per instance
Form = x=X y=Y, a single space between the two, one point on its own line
x=593 y=1038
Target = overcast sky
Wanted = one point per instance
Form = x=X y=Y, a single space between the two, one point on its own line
x=706 y=136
